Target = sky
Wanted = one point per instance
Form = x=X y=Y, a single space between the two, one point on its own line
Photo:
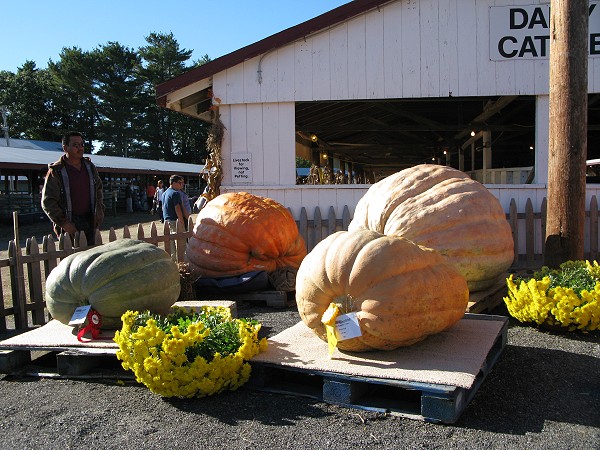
x=37 y=30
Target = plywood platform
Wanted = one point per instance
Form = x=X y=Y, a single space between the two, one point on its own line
x=433 y=380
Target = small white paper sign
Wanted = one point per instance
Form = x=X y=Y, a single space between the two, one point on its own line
x=241 y=168
x=79 y=315
x=347 y=327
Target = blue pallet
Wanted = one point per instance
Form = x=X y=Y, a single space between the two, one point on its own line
x=429 y=402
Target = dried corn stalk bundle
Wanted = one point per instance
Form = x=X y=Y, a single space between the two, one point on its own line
x=214 y=163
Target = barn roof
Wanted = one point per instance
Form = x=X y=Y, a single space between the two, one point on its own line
x=32 y=144
x=30 y=159
x=282 y=38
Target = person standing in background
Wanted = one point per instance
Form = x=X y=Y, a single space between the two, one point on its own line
x=160 y=190
x=173 y=208
x=150 y=191
x=185 y=201
x=129 y=197
x=72 y=195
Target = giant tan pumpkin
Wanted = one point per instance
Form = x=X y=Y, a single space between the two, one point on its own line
x=240 y=232
x=442 y=208
x=401 y=292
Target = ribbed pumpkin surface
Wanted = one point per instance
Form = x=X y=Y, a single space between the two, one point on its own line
x=442 y=208
x=402 y=292
x=239 y=232
x=122 y=275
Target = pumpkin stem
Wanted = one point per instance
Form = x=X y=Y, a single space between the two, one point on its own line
x=345 y=303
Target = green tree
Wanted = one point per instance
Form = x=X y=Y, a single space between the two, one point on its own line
x=169 y=135
x=27 y=95
x=117 y=88
x=109 y=95
x=74 y=86
x=6 y=97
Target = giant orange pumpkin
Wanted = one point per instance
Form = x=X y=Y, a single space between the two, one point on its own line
x=400 y=291
x=442 y=208
x=239 y=232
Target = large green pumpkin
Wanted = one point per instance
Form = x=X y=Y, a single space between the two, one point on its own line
x=122 y=275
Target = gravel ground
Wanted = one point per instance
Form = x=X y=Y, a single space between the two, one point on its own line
x=543 y=393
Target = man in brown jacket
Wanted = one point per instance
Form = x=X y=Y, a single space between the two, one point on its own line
x=72 y=193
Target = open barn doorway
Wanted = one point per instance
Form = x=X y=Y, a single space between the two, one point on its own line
x=383 y=136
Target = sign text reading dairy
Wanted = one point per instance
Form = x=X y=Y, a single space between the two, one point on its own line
x=523 y=32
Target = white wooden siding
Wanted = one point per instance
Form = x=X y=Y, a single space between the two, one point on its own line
x=430 y=53
x=466 y=35
x=405 y=49
x=321 y=67
x=392 y=49
x=303 y=70
x=374 y=56
x=448 y=47
x=266 y=131
x=410 y=45
x=338 y=49
x=357 y=62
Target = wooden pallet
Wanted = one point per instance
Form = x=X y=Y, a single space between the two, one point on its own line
x=425 y=401
x=487 y=300
x=80 y=363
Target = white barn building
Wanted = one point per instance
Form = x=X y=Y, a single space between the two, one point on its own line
x=377 y=86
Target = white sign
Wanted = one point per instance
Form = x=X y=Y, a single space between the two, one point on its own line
x=347 y=327
x=523 y=32
x=79 y=315
x=241 y=168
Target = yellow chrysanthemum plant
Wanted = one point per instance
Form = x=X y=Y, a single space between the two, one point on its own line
x=188 y=354
x=565 y=299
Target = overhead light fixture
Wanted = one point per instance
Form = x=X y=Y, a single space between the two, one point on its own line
x=324 y=155
x=531 y=147
x=314 y=137
x=472 y=133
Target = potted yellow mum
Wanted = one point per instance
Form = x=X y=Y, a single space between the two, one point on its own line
x=565 y=299
x=188 y=354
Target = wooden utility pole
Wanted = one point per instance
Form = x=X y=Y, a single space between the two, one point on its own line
x=568 y=131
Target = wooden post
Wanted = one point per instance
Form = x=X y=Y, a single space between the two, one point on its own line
x=567 y=131
x=17 y=283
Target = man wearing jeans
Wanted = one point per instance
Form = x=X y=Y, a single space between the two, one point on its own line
x=172 y=207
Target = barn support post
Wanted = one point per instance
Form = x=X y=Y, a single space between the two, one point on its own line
x=540 y=168
x=486 y=151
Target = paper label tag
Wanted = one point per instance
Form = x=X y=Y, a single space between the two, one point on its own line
x=347 y=326
x=79 y=315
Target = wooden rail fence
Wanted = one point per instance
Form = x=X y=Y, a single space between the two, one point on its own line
x=28 y=268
